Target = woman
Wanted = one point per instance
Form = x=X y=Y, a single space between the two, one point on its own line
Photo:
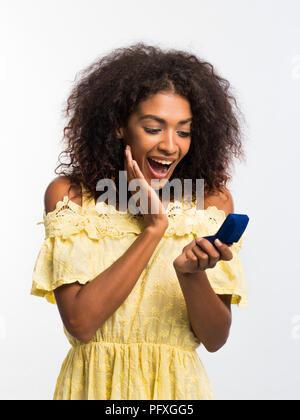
x=138 y=293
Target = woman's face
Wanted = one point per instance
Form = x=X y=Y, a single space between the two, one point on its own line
x=159 y=129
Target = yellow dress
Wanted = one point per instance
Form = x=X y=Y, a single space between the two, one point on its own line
x=146 y=350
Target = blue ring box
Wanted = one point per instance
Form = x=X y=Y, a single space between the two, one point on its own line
x=231 y=230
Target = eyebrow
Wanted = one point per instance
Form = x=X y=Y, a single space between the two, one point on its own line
x=161 y=120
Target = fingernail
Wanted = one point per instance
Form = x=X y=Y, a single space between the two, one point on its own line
x=218 y=242
x=198 y=240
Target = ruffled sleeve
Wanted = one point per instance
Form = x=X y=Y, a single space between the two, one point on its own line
x=66 y=253
x=227 y=277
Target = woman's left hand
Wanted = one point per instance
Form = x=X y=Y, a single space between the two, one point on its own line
x=199 y=255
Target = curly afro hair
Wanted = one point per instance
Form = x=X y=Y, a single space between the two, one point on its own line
x=110 y=89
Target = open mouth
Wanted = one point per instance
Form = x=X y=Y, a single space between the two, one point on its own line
x=159 y=170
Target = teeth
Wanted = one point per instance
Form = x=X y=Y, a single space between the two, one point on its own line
x=164 y=162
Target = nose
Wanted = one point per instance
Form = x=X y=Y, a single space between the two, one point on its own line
x=168 y=145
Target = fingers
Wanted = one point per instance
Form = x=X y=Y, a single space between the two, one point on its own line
x=223 y=251
x=129 y=166
x=193 y=260
x=201 y=254
x=149 y=197
x=190 y=254
x=207 y=253
x=137 y=170
x=202 y=258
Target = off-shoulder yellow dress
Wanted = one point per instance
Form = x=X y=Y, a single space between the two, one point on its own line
x=146 y=350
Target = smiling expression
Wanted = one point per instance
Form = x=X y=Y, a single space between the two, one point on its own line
x=160 y=127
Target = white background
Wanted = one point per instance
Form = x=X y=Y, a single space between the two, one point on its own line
x=256 y=46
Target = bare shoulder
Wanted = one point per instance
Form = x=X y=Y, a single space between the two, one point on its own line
x=222 y=200
x=57 y=189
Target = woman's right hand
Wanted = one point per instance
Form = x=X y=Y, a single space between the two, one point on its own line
x=158 y=217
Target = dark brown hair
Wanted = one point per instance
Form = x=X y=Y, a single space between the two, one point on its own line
x=110 y=89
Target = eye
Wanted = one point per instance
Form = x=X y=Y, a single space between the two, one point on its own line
x=151 y=130
x=184 y=134
x=156 y=130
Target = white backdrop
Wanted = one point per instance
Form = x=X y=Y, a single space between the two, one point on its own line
x=255 y=44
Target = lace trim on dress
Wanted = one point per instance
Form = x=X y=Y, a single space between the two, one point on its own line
x=100 y=220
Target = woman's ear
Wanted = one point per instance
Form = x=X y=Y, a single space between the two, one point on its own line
x=119 y=133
